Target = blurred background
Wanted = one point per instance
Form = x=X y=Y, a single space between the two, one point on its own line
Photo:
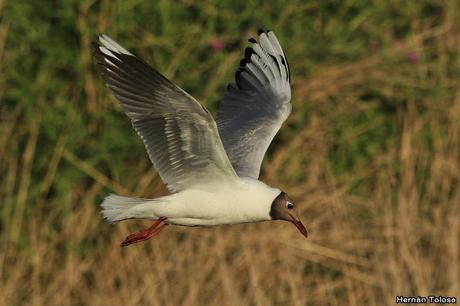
x=371 y=154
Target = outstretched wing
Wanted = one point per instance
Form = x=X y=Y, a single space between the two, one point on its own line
x=256 y=105
x=179 y=134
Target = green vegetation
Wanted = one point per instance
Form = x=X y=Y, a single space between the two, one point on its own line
x=371 y=153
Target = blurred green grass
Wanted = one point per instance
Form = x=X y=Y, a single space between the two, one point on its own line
x=45 y=67
x=363 y=72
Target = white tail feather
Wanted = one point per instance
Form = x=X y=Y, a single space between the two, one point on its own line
x=117 y=208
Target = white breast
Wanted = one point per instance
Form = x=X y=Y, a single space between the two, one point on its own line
x=247 y=200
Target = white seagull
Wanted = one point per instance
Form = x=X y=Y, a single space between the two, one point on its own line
x=211 y=170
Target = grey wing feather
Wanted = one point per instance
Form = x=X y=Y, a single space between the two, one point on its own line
x=256 y=105
x=179 y=134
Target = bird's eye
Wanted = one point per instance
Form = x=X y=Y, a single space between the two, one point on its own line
x=289 y=205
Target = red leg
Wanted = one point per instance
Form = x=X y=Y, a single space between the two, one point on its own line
x=153 y=230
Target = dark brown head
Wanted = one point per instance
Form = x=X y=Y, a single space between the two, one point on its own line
x=284 y=209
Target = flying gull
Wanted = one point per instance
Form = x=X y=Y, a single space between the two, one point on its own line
x=210 y=168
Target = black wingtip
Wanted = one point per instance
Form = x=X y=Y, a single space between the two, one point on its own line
x=97 y=39
x=96 y=43
x=243 y=62
x=248 y=52
x=260 y=31
x=95 y=46
x=252 y=40
x=237 y=76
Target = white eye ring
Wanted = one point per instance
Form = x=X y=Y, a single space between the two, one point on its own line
x=289 y=205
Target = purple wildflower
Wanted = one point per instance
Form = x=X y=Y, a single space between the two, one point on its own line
x=413 y=57
x=217 y=44
x=375 y=46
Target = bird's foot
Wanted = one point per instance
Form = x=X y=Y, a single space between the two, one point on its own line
x=153 y=230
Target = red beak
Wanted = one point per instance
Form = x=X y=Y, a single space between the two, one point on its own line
x=299 y=225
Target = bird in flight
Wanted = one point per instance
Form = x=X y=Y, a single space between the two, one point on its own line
x=211 y=168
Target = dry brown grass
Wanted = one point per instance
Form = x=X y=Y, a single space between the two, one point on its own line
x=397 y=233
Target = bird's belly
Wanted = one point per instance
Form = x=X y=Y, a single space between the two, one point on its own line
x=211 y=207
x=218 y=220
x=196 y=222
x=208 y=213
x=217 y=213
